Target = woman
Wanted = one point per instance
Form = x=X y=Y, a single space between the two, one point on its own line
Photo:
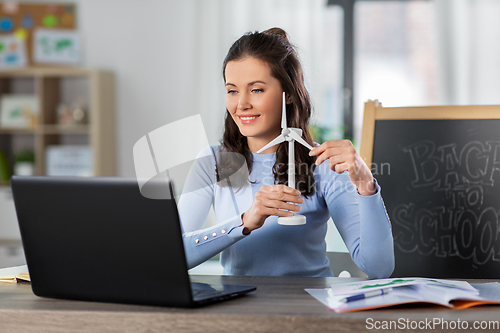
x=332 y=179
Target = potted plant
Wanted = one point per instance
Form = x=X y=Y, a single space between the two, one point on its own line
x=4 y=167
x=25 y=163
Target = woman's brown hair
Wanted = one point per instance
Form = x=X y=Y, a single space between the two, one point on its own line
x=272 y=46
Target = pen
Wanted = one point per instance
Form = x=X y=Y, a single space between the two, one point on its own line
x=365 y=295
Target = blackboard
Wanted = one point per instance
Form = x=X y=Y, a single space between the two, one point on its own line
x=440 y=180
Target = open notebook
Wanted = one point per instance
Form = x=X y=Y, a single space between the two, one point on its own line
x=14 y=274
x=449 y=293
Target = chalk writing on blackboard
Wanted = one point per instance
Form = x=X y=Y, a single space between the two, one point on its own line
x=459 y=224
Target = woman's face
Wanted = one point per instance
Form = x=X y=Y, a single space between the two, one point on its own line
x=253 y=98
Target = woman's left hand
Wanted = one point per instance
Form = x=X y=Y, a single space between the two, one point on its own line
x=343 y=157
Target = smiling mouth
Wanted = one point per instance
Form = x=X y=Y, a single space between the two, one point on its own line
x=246 y=120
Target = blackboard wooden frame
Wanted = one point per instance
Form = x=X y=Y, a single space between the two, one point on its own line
x=375 y=111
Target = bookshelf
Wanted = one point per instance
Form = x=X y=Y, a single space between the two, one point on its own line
x=52 y=86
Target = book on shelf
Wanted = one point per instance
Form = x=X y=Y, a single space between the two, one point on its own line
x=68 y=160
x=381 y=293
x=15 y=274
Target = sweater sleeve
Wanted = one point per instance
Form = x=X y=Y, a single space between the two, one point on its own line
x=194 y=205
x=363 y=224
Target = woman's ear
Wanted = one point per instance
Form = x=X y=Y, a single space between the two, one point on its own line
x=288 y=99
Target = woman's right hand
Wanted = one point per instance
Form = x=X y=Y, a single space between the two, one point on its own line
x=277 y=200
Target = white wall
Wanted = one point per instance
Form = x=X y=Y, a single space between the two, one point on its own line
x=149 y=46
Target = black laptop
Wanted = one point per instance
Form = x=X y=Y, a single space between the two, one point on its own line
x=99 y=239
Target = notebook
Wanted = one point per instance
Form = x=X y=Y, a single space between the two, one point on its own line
x=99 y=239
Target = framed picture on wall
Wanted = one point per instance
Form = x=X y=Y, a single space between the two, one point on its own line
x=56 y=47
x=19 y=111
x=12 y=52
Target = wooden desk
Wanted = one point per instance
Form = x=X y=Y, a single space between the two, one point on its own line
x=279 y=304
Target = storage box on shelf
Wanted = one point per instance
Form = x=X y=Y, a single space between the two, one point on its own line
x=92 y=91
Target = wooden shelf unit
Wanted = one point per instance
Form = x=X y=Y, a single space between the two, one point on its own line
x=47 y=84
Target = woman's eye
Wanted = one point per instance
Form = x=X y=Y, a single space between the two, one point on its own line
x=257 y=90
x=231 y=92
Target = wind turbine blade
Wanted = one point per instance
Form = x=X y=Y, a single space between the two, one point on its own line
x=279 y=139
x=297 y=138
x=283 y=112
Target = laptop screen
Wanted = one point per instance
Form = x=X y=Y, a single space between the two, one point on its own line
x=100 y=239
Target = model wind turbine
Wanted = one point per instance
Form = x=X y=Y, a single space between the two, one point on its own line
x=291 y=135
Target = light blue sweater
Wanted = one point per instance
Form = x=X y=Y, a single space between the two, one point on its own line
x=276 y=249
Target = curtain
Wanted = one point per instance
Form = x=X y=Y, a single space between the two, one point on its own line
x=468 y=51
